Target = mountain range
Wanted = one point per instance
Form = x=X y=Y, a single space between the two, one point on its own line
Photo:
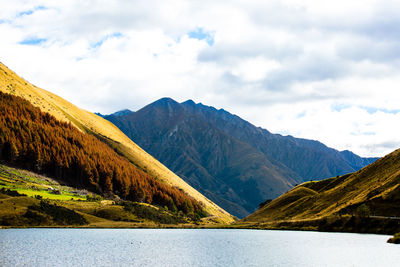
x=232 y=162
x=98 y=177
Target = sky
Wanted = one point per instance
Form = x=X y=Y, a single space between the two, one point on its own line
x=322 y=70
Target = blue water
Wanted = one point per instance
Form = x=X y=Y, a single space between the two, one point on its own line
x=187 y=247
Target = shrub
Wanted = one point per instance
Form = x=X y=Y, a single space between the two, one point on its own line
x=93 y=197
x=363 y=211
x=35 y=217
x=11 y=193
x=60 y=215
x=262 y=204
x=150 y=213
x=395 y=239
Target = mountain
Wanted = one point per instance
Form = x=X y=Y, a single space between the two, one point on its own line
x=92 y=124
x=122 y=112
x=229 y=160
x=355 y=161
x=372 y=193
x=118 y=113
x=37 y=141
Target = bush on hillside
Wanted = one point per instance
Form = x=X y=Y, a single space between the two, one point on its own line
x=151 y=213
x=395 y=239
x=11 y=193
x=59 y=215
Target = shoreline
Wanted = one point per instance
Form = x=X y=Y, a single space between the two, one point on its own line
x=227 y=227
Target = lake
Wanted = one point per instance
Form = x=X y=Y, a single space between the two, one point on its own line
x=192 y=247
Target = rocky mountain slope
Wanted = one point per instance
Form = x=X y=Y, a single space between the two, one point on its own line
x=231 y=161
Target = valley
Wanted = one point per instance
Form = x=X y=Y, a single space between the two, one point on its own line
x=199 y=133
x=65 y=167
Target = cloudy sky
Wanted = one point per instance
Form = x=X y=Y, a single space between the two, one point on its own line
x=324 y=70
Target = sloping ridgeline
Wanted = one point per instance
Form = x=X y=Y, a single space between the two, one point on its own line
x=234 y=163
x=365 y=201
x=90 y=123
x=35 y=140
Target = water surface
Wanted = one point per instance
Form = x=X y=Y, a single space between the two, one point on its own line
x=192 y=247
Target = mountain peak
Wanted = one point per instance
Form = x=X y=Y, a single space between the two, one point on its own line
x=162 y=107
x=189 y=102
x=122 y=112
x=165 y=101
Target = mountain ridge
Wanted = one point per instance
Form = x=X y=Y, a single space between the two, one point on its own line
x=259 y=133
x=205 y=146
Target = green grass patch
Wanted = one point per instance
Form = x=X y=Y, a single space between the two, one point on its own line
x=49 y=195
x=33 y=185
x=44 y=193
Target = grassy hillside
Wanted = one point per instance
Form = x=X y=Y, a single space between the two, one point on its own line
x=91 y=123
x=35 y=140
x=35 y=185
x=373 y=193
x=28 y=199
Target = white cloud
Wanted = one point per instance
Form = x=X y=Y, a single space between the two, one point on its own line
x=322 y=70
x=254 y=69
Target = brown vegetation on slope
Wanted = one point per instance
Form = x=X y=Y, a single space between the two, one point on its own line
x=88 y=122
x=37 y=141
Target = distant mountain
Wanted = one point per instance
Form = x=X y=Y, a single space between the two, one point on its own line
x=118 y=113
x=93 y=125
x=372 y=192
x=122 y=112
x=229 y=160
x=355 y=161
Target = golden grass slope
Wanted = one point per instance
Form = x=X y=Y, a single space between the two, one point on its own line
x=377 y=186
x=91 y=123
